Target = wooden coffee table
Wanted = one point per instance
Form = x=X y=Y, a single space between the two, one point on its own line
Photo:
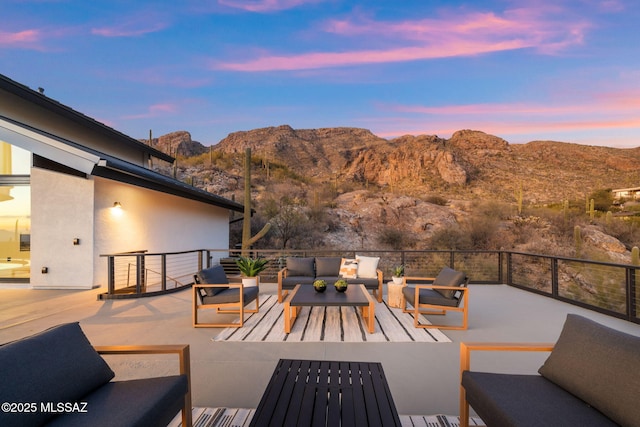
x=306 y=296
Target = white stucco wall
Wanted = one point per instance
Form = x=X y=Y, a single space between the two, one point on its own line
x=152 y=221
x=61 y=210
x=66 y=207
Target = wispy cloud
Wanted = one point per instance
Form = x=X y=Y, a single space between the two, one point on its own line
x=265 y=6
x=452 y=34
x=155 y=110
x=128 y=29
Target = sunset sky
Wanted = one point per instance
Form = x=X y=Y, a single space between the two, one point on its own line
x=563 y=70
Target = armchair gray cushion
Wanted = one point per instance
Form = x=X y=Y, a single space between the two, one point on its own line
x=215 y=276
x=300 y=266
x=613 y=359
x=57 y=365
x=427 y=296
x=449 y=277
x=231 y=295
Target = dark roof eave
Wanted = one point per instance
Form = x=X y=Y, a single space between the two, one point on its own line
x=69 y=113
x=118 y=170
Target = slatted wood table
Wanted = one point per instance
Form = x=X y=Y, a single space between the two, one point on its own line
x=304 y=295
x=326 y=393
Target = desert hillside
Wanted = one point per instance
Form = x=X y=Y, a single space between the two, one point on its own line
x=361 y=190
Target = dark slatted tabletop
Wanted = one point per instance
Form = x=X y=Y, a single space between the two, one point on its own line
x=326 y=393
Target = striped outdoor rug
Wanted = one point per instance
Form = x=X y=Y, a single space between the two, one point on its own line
x=234 y=417
x=329 y=324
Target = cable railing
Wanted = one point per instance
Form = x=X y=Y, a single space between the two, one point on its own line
x=605 y=287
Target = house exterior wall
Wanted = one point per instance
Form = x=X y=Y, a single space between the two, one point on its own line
x=152 y=221
x=64 y=209
x=61 y=210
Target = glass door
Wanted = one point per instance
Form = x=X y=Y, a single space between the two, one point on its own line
x=15 y=214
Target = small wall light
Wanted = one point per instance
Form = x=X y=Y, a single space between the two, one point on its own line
x=117 y=205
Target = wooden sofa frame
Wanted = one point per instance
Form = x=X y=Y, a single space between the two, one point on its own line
x=465 y=364
x=182 y=350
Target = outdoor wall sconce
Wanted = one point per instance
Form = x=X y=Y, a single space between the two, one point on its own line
x=45 y=270
x=76 y=241
x=117 y=205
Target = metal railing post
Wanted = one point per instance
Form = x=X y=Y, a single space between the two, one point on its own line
x=163 y=269
x=554 y=277
x=111 y=272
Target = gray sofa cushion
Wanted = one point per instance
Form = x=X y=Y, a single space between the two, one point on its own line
x=427 y=296
x=367 y=282
x=57 y=365
x=231 y=295
x=214 y=276
x=328 y=266
x=449 y=277
x=290 y=282
x=140 y=403
x=600 y=366
x=300 y=266
x=508 y=400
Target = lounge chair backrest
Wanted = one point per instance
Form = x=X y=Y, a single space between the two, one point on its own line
x=450 y=277
x=215 y=276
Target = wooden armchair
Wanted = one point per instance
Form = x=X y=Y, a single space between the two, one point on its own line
x=445 y=293
x=465 y=364
x=184 y=362
x=213 y=290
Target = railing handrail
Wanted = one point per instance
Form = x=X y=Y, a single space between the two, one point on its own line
x=501 y=266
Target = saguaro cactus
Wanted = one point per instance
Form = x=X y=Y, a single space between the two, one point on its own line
x=577 y=238
x=247 y=240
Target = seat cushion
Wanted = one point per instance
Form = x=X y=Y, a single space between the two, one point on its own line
x=427 y=296
x=57 y=365
x=213 y=276
x=328 y=266
x=140 y=403
x=231 y=295
x=290 y=282
x=367 y=282
x=449 y=277
x=599 y=365
x=527 y=401
x=301 y=266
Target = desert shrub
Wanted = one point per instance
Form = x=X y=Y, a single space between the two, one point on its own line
x=481 y=231
x=450 y=237
x=395 y=238
x=437 y=200
x=625 y=230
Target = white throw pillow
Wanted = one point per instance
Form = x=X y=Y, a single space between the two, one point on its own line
x=349 y=268
x=367 y=266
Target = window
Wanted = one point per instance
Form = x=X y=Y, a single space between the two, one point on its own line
x=15 y=213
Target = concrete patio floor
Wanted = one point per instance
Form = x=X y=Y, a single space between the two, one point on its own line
x=423 y=377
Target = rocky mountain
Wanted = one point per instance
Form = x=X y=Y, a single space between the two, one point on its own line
x=469 y=164
x=409 y=188
x=177 y=143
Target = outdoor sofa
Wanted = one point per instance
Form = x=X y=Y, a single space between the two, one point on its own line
x=591 y=378
x=56 y=378
x=305 y=270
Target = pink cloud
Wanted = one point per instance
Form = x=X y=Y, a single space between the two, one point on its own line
x=155 y=110
x=546 y=30
x=20 y=37
x=265 y=5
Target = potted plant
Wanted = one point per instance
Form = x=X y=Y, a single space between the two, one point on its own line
x=341 y=285
x=320 y=285
x=250 y=268
x=397 y=273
